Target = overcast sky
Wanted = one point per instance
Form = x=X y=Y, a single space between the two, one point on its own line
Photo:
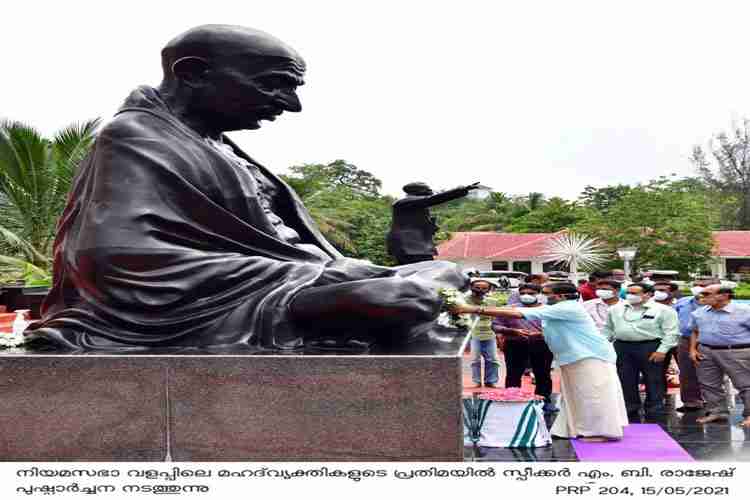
x=522 y=96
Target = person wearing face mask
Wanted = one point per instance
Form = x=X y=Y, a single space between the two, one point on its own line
x=535 y=279
x=524 y=344
x=643 y=332
x=664 y=293
x=607 y=295
x=690 y=389
x=588 y=289
x=483 y=343
x=592 y=406
x=719 y=346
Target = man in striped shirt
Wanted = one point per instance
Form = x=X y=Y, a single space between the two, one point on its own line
x=483 y=342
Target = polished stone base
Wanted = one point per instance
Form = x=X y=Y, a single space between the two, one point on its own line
x=226 y=407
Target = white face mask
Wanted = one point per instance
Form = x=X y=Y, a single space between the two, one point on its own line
x=605 y=294
x=660 y=296
x=633 y=299
x=528 y=299
x=697 y=290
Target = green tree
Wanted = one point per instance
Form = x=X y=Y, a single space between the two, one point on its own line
x=312 y=178
x=670 y=226
x=346 y=204
x=554 y=215
x=726 y=168
x=535 y=200
x=35 y=177
x=602 y=199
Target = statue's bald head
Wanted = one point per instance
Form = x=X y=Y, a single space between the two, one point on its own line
x=226 y=77
x=223 y=43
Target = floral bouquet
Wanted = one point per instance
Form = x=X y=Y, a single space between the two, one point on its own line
x=510 y=394
x=453 y=297
x=11 y=340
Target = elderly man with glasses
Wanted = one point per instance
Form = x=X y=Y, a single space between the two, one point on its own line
x=690 y=389
x=720 y=345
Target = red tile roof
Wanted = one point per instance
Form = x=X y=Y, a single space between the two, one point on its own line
x=502 y=246
x=527 y=246
x=732 y=243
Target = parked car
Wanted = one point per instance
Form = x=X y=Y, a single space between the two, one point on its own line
x=558 y=276
x=663 y=275
x=505 y=279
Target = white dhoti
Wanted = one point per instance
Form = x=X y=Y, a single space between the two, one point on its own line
x=592 y=403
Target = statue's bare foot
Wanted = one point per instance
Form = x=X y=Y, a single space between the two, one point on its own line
x=711 y=418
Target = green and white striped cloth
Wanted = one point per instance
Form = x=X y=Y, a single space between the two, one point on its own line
x=505 y=424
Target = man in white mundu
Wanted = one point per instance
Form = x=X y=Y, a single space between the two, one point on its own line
x=592 y=406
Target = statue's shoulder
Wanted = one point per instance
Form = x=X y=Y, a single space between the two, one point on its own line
x=146 y=128
x=132 y=124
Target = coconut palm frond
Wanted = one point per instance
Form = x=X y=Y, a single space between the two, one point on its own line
x=23 y=266
x=70 y=146
x=35 y=177
x=24 y=172
x=21 y=245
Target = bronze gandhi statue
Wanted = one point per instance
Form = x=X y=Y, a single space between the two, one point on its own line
x=174 y=236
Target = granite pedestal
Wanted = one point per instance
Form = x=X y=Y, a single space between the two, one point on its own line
x=234 y=405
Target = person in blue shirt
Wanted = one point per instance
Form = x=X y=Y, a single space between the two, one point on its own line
x=719 y=346
x=690 y=389
x=592 y=404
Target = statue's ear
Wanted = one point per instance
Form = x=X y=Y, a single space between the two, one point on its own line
x=191 y=70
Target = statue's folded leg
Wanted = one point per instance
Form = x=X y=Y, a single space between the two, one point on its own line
x=378 y=302
x=399 y=305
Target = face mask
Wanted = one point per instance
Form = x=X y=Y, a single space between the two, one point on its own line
x=552 y=301
x=605 y=294
x=660 y=296
x=697 y=290
x=633 y=299
x=528 y=299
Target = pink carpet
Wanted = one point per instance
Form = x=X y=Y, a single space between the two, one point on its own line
x=641 y=443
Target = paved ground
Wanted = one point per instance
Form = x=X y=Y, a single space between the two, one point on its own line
x=722 y=442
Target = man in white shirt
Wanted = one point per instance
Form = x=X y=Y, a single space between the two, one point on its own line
x=608 y=294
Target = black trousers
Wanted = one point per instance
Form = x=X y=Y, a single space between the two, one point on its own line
x=632 y=360
x=518 y=354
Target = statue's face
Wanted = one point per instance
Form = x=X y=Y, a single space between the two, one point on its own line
x=246 y=90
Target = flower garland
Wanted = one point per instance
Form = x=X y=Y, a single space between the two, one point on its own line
x=451 y=298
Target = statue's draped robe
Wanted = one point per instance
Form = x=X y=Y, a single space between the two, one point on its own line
x=164 y=242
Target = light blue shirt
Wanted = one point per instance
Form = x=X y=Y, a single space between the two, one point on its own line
x=570 y=332
x=685 y=307
x=723 y=327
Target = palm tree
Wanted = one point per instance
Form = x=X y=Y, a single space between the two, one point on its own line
x=575 y=250
x=534 y=200
x=35 y=177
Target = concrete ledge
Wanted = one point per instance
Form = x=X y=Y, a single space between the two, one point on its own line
x=227 y=407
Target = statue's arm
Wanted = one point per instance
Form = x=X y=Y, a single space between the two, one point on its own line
x=446 y=196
